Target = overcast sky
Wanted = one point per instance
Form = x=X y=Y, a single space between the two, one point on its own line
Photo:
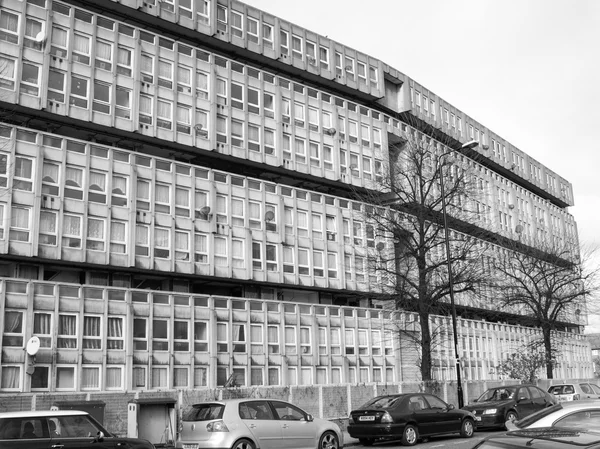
x=529 y=70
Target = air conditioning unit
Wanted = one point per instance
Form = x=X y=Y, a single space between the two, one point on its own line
x=330 y=236
x=311 y=60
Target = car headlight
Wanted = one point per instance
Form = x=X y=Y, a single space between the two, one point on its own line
x=490 y=411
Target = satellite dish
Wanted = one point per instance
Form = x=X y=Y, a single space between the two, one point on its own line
x=33 y=346
x=269 y=215
x=40 y=37
x=519 y=229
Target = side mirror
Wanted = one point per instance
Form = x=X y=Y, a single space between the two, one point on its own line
x=99 y=436
x=310 y=418
x=451 y=407
x=474 y=400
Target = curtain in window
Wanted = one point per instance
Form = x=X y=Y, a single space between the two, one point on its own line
x=95 y=229
x=11 y=377
x=221 y=125
x=202 y=118
x=183 y=115
x=200 y=377
x=103 y=50
x=143 y=190
x=184 y=75
x=23 y=168
x=145 y=104
x=254 y=210
x=273 y=334
x=290 y=335
x=67 y=326
x=124 y=56
x=20 y=218
x=117 y=231
x=182 y=241
x=237 y=207
x=119 y=185
x=201 y=80
x=73 y=177
x=59 y=37
x=81 y=44
x=165 y=69
x=113 y=378
x=162 y=193
x=90 y=378
x=253 y=133
x=161 y=237
x=9 y=21
x=317 y=259
x=91 y=328
x=159 y=377
x=139 y=376
x=72 y=225
x=50 y=173
x=115 y=333
x=237 y=129
x=334 y=337
x=146 y=64
x=317 y=222
x=141 y=235
x=221 y=204
x=164 y=109
x=237 y=250
x=13 y=322
x=32 y=28
x=302 y=218
x=41 y=323
x=98 y=181
x=47 y=222
x=200 y=242
x=180 y=377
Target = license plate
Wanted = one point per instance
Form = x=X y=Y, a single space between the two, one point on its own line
x=190 y=446
x=366 y=418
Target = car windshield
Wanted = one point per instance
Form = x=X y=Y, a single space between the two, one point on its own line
x=596 y=388
x=497 y=394
x=204 y=412
x=529 y=420
x=382 y=402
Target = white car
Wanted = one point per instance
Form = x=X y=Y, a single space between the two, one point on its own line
x=575 y=391
x=578 y=414
x=251 y=423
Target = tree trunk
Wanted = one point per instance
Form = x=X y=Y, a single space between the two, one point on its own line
x=425 y=347
x=546 y=332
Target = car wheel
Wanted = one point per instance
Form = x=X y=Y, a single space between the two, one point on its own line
x=243 y=444
x=467 y=428
x=329 y=440
x=366 y=441
x=511 y=416
x=410 y=435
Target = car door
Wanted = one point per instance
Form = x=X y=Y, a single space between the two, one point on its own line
x=79 y=432
x=444 y=420
x=525 y=405
x=262 y=424
x=427 y=418
x=24 y=433
x=587 y=392
x=298 y=431
x=538 y=398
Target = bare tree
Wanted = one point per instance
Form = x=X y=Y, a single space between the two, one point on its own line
x=405 y=206
x=549 y=283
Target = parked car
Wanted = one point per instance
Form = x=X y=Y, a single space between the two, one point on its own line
x=508 y=403
x=580 y=414
x=542 y=438
x=65 y=429
x=408 y=417
x=575 y=391
x=249 y=423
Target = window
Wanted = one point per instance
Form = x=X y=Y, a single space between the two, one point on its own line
x=92 y=332
x=9 y=26
x=81 y=48
x=318 y=263
x=222 y=338
x=67 y=331
x=7 y=73
x=267 y=35
x=71 y=235
x=147 y=68
x=237 y=133
x=124 y=61
x=101 y=101
x=297 y=46
x=56 y=86
x=165 y=74
x=42 y=328
x=254 y=138
x=79 y=92
x=332 y=265
x=283 y=42
x=256 y=256
x=164 y=114
x=184 y=79
x=324 y=57
x=160 y=335
x=23 y=174
x=201 y=248
x=252 y=29
x=11 y=378
x=140 y=334
x=59 y=42
x=30 y=78
x=162 y=243
x=237 y=24
x=13 y=328
x=103 y=55
x=221 y=18
x=20 y=223
x=95 y=234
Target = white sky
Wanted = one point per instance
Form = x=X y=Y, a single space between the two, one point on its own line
x=529 y=70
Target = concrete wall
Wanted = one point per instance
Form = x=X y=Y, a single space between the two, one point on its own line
x=333 y=402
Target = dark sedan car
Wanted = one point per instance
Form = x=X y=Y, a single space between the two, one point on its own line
x=543 y=438
x=408 y=417
x=61 y=429
x=498 y=405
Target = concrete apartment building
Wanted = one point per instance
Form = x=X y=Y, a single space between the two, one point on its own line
x=175 y=210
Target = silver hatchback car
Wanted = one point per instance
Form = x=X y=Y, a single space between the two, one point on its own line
x=252 y=423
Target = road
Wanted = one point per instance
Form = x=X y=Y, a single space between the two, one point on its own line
x=448 y=442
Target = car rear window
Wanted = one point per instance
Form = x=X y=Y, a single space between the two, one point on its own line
x=383 y=402
x=586 y=388
x=204 y=412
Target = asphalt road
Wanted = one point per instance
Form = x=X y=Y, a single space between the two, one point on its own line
x=447 y=442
